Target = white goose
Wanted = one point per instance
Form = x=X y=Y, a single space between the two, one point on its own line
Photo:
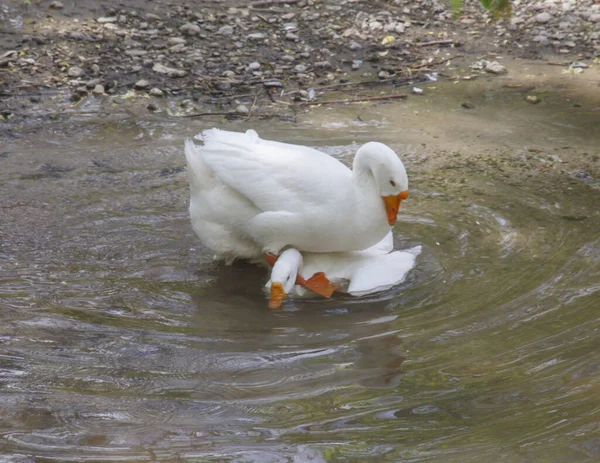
x=250 y=196
x=369 y=271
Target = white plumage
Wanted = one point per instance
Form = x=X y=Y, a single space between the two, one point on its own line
x=249 y=196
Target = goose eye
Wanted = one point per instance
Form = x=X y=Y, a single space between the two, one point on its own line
x=392 y=183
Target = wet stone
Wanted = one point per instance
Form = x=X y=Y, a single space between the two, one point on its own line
x=156 y=92
x=75 y=71
x=242 y=109
x=542 y=18
x=190 y=29
x=225 y=30
x=141 y=84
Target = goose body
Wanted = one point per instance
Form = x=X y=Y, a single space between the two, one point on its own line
x=375 y=269
x=250 y=196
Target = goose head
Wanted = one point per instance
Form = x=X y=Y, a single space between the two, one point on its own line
x=388 y=172
x=285 y=274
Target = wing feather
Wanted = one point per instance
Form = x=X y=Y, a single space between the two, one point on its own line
x=275 y=176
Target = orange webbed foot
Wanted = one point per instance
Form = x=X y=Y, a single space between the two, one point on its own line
x=271 y=258
x=318 y=283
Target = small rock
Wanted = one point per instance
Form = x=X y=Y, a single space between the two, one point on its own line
x=92 y=83
x=95 y=69
x=533 y=99
x=255 y=66
x=171 y=72
x=323 y=65
x=177 y=48
x=152 y=107
x=225 y=30
x=542 y=18
x=98 y=89
x=57 y=5
x=76 y=35
x=256 y=36
x=300 y=68
x=579 y=64
x=152 y=17
x=272 y=84
x=156 y=92
x=383 y=75
x=375 y=26
x=141 y=84
x=75 y=71
x=106 y=20
x=417 y=90
x=292 y=36
x=242 y=109
x=467 y=106
x=190 y=29
x=494 y=67
x=594 y=18
x=176 y=41
x=356 y=64
x=354 y=46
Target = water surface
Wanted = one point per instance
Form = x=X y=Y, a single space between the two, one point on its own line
x=121 y=340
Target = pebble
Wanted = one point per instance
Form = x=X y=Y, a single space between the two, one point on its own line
x=578 y=64
x=152 y=107
x=542 y=18
x=57 y=5
x=98 y=89
x=156 y=92
x=76 y=35
x=533 y=99
x=171 y=72
x=92 y=83
x=254 y=66
x=141 y=84
x=300 y=68
x=354 y=46
x=256 y=36
x=190 y=29
x=176 y=41
x=272 y=84
x=106 y=20
x=357 y=63
x=242 y=109
x=225 y=30
x=75 y=71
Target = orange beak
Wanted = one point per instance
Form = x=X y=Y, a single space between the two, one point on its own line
x=277 y=296
x=392 y=206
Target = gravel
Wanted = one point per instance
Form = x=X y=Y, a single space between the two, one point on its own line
x=212 y=52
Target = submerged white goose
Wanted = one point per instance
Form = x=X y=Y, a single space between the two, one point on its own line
x=373 y=270
x=250 y=196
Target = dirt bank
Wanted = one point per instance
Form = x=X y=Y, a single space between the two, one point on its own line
x=260 y=58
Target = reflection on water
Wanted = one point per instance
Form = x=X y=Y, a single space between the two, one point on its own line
x=122 y=340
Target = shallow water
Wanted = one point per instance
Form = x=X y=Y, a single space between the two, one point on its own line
x=122 y=340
